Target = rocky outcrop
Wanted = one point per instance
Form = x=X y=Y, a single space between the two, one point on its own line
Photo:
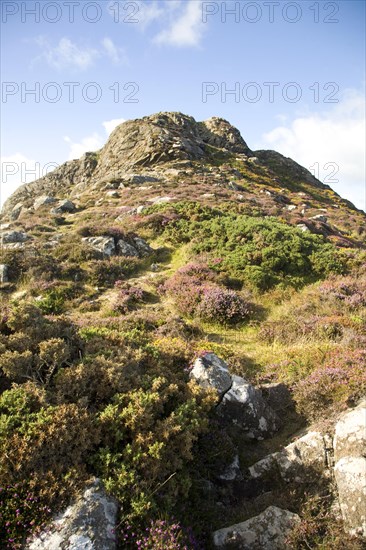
x=134 y=247
x=104 y=245
x=350 y=468
x=88 y=524
x=244 y=406
x=297 y=462
x=64 y=207
x=268 y=531
x=42 y=200
x=143 y=143
x=62 y=180
x=209 y=371
x=240 y=403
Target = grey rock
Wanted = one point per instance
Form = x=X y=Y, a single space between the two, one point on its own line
x=13 y=237
x=139 y=179
x=64 y=207
x=126 y=249
x=297 y=462
x=232 y=471
x=41 y=201
x=104 y=244
x=142 y=246
x=267 y=531
x=244 y=406
x=303 y=227
x=4 y=273
x=350 y=433
x=113 y=194
x=16 y=211
x=210 y=371
x=350 y=468
x=319 y=218
x=291 y=207
x=88 y=524
x=350 y=475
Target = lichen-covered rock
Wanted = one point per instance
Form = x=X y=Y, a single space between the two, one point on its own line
x=210 y=371
x=4 y=273
x=105 y=244
x=13 y=237
x=350 y=468
x=87 y=525
x=126 y=249
x=350 y=433
x=297 y=462
x=244 y=406
x=142 y=247
x=267 y=531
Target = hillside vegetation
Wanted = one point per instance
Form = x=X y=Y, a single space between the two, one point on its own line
x=179 y=241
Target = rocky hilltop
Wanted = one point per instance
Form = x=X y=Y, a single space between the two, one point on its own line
x=182 y=349
x=155 y=143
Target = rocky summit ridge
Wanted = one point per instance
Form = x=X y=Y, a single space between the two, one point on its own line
x=152 y=144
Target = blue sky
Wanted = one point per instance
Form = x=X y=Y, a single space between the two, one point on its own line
x=295 y=71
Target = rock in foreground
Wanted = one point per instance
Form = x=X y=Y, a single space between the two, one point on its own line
x=268 y=531
x=88 y=524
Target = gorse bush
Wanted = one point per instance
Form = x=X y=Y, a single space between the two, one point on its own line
x=148 y=436
x=261 y=252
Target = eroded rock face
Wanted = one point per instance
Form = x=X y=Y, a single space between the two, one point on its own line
x=268 y=531
x=350 y=468
x=88 y=524
x=210 y=371
x=297 y=462
x=244 y=406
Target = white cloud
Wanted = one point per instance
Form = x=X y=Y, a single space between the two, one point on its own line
x=67 y=54
x=336 y=136
x=186 y=30
x=180 y=22
x=110 y=125
x=116 y=55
